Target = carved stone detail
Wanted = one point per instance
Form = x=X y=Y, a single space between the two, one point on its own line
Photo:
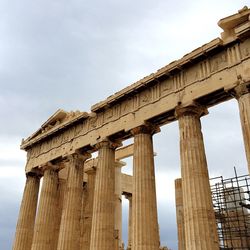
x=241 y=89
x=194 y=109
x=108 y=144
x=145 y=97
x=127 y=106
x=205 y=68
x=145 y=129
x=166 y=87
x=218 y=62
x=234 y=54
x=179 y=80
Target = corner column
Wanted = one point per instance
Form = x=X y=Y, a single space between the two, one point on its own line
x=69 y=235
x=45 y=220
x=27 y=213
x=145 y=221
x=242 y=92
x=103 y=222
x=179 y=214
x=199 y=216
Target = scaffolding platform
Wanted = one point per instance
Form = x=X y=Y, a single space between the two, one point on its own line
x=231 y=200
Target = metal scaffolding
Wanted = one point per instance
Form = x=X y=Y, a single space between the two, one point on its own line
x=231 y=200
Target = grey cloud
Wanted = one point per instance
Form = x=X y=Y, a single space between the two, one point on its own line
x=56 y=54
x=10 y=163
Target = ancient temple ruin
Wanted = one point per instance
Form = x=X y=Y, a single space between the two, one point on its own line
x=80 y=197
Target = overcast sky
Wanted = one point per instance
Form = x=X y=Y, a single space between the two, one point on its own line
x=72 y=54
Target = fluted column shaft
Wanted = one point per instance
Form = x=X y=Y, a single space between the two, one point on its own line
x=103 y=222
x=27 y=213
x=45 y=219
x=59 y=209
x=84 y=204
x=88 y=211
x=179 y=214
x=129 y=197
x=145 y=221
x=199 y=216
x=118 y=205
x=243 y=97
x=69 y=235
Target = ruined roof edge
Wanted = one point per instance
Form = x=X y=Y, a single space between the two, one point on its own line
x=162 y=71
x=232 y=21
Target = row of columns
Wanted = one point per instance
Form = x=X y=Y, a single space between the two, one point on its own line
x=100 y=230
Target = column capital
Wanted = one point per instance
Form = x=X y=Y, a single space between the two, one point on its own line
x=192 y=109
x=79 y=156
x=120 y=164
x=49 y=166
x=106 y=143
x=241 y=89
x=34 y=173
x=178 y=182
x=77 y=159
x=128 y=196
x=90 y=171
x=145 y=129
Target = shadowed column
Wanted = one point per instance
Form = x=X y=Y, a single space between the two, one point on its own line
x=59 y=209
x=84 y=203
x=199 y=217
x=129 y=197
x=118 y=205
x=179 y=214
x=27 y=213
x=45 y=220
x=103 y=222
x=145 y=221
x=88 y=211
x=69 y=235
x=243 y=97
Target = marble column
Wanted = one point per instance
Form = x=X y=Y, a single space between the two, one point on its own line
x=45 y=220
x=88 y=210
x=199 y=216
x=145 y=221
x=179 y=214
x=118 y=205
x=83 y=206
x=27 y=213
x=129 y=197
x=103 y=222
x=243 y=97
x=69 y=235
x=59 y=209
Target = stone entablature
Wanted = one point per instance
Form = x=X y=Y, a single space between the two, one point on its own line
x=205 y=75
